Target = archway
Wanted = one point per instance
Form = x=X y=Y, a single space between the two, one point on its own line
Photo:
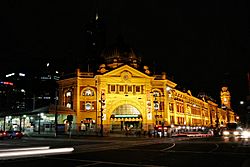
x=126 y=117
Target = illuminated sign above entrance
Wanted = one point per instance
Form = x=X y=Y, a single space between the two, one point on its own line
x=126 y=116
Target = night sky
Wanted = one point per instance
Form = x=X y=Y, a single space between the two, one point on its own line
x=201 y=45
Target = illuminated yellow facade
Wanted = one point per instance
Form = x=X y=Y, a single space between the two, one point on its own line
x=125 y=96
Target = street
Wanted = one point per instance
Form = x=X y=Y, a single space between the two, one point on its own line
x=170 y=152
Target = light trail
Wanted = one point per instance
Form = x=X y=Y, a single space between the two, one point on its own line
x=25 y=149
x=32 y=153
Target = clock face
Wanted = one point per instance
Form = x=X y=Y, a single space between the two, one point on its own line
x=125 y=77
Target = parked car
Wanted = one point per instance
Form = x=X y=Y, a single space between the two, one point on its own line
x=14 y=134
x=3 y=134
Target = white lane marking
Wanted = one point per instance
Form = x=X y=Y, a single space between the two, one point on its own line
x=217 y=146
x=168 y=147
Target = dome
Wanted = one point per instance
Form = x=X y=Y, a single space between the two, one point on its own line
x=119 y=54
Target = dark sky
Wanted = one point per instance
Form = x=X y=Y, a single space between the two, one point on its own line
x=201 y=44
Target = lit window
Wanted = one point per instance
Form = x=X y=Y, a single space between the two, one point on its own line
x=88 y=106
x=68 y=94
x=88 y=92
x=156 y=94
x=156 y=106
x=68 y=105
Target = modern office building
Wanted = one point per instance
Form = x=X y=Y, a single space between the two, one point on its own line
x=24 y=96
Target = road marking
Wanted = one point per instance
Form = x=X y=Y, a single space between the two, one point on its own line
x=168 y=147
x=104 y=162
x=217 y=146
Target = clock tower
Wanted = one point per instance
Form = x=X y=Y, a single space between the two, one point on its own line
x=225 y=97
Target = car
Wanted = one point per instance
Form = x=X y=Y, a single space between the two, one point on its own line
x=14 y=134
x=3 y=134
x=232 y=130
x=231 y=133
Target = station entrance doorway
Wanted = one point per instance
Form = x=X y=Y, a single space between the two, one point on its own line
x=126 y=117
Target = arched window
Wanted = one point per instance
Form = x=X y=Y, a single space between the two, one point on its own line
x=68 y=105
x=68 y=95
x=126 y=109
x=156 y=100
x=88 y=92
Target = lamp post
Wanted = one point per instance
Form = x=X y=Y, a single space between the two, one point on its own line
x=102 y=108
x=156 y=106
x=39 y=122
x=56 y=114
x=24 y=118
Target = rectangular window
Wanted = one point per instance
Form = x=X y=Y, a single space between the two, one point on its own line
x=171 y=107
x=121 y=88
x=93 y=106
x=112 y=87
x=161 y=106
x=130 y=89
x=137 y=88
x=172 y=119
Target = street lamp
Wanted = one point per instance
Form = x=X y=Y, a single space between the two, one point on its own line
x=39 y=122
x=56 y=114
x=24 y=117
x=156 y=107
x=102 y=108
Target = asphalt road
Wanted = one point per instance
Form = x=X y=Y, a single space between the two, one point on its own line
x=143 y=152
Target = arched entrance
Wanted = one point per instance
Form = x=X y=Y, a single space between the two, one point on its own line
x=126 y=117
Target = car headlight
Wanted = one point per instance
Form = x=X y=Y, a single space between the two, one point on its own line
x=236 y=133
x=245 y=134
x=225 y=133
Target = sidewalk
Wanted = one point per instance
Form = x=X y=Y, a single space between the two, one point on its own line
x=84 y=136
